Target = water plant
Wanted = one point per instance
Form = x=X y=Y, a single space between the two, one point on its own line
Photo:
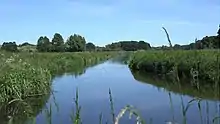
x=27 y=75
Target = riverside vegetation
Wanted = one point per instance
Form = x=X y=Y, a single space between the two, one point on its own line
x=38 y=84
x=196 y=64
x=197 y=68
x=26 y=75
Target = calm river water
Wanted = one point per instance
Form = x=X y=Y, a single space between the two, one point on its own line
x=153 y=102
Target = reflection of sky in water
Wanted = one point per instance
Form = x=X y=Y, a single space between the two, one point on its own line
x=94 y=98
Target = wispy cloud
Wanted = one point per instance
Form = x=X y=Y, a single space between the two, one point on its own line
x=82 y=8
x=171 y=22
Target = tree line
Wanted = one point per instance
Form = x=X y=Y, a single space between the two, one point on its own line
x=74 y=43
x=77 y=43
x=207 y=42
x=128 y=46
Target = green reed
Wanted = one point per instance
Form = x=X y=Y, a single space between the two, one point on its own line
x=76 y=119
x=185 y=65
x=27 y=75
x=76 y=115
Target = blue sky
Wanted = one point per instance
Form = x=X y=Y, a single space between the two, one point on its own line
x=107 y=21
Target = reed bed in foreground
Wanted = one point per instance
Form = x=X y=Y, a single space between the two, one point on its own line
x=133 y=112
x=29 y=74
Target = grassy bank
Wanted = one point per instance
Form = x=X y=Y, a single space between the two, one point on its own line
x=195 y=65
x=28 y=74
x=205 y=91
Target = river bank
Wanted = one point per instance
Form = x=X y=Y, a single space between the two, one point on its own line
x=93 y=85
x=26 y=75
x=195 y=65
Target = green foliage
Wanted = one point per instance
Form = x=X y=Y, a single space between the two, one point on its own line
x=81 y=42
x=43 y=44
x=27 y=48
x=181 y=63
x=9 y=46
x=58 y=43
x=26 y=44
x=71 y=44
x=206 y=91
x=128 y=45
x=207 y=42
x=90 y=46
x=75 y=43
x=27 y=75
x=98 y=48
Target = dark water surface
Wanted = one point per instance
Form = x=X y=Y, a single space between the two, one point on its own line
x=152 y=102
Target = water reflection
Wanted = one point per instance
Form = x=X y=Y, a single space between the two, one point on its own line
x=169 y=104
x=122 y=58
x=21 y=111
x=158 y=106
x=184 y=88
x=204 y=103
x=18 y=111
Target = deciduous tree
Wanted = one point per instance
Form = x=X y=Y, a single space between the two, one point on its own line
x=90 y=46
x=9 y=46
x=43 y=44
x=58 y=43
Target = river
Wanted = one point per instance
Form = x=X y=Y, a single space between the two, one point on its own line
x=156 y=103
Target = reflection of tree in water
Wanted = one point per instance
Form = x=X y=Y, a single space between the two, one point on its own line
x=205 y=91
x=80 y=68
x=21 y=110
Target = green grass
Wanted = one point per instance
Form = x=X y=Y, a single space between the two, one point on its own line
x=27 y=75
x=199 y=64
x=189 y=68
x=27 y=48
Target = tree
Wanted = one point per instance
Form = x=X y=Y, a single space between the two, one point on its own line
x=75 y=43
x=90 y=46
x=43 y=44
x=71 y=44
x=143 y=45
x=128 y=46
x=81 y=42
x=9 y=46
x=177 y=46
x=26 y=44
x=199 y=45
x=58 y=43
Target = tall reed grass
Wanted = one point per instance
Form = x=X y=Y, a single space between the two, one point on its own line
x=133 y=112
x=178 y=63
x=28 y=75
